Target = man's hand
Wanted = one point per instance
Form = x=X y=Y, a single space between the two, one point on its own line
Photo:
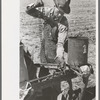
x=60 y=61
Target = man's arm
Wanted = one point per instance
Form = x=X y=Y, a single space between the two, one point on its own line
x=62 y=36
x=31 y=8
x=33 y=11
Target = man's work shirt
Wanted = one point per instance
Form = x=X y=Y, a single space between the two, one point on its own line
x=53 y=35
x=61 y=97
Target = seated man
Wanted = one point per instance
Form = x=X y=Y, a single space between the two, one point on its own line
x=83 y=78
x=87 y=70
x=67 y=93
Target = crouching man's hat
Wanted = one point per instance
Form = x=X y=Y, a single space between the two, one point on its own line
x=63 y=5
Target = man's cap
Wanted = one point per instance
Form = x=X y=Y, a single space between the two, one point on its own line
x=63 y=5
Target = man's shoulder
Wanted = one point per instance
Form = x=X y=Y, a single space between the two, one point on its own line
x=64 y=21
x=59 y=96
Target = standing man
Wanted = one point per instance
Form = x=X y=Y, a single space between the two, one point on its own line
x=55 y=31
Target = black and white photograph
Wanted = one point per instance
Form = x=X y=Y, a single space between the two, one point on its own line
x=57 y=50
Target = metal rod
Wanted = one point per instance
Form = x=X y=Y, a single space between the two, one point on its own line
x=40 y=78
